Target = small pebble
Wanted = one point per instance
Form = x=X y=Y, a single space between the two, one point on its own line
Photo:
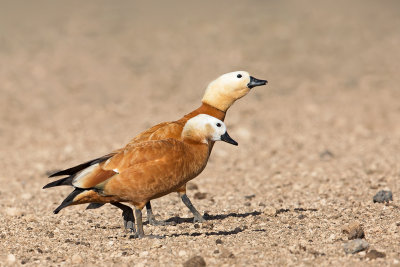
x=191 y=186
x=13 y=212
x=76 y=259
x=11 y=258
x=383 y=196
x=207 y=225
x=355 y=246
x=250 y=197
x=30 y=218
x=292 y=249
x=196 y=261
x=373 y=254
x=269 y=211
x=354 y=230
x=143 y=254
x=225 y=253
x=182 y=253
x=218 y=241
x=200 y=195
x=237 y=230
x=326 y=155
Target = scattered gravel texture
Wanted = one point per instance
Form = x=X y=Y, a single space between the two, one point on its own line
x=79 y=79
x=383 y=196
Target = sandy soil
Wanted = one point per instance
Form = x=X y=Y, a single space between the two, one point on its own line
x=78 y=79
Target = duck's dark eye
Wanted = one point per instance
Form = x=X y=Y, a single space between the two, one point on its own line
x=239 y=76
x=218 y=124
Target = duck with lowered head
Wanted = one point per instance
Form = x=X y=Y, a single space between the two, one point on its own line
x=147 y=170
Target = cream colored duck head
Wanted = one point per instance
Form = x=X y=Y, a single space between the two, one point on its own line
x=205 y=128
x=225 y=90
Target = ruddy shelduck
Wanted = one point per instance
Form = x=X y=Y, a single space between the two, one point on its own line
x=219 y=96
x=147 y=170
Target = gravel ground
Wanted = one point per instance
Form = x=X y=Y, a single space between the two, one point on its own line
x=78 y=79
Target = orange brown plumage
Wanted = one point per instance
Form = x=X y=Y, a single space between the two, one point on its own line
x=147 y=170
x=219 y=96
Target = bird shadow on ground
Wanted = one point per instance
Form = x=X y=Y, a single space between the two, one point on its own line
x=208 y=217
x=219 y=233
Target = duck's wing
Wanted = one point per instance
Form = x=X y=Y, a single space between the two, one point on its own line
x=135 y=154
x=88 y=174
x=158 y=167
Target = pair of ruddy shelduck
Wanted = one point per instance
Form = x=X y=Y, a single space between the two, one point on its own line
x=160 y=160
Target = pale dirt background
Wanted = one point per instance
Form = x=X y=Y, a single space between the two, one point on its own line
x=78 y=79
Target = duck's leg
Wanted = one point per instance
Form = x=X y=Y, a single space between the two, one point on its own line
x=140 y=233
x=127 y=215
x=188 y=203
x=152 y=220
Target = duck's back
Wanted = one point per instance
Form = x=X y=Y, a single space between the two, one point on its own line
x=174 y=129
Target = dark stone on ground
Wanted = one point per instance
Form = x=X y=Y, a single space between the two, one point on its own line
x=383 y=196
x=301 y=216
x=326 y=155
x=196 y=261
x=200 y=195
x=373 y=254
x=250 y=197
x=192 y=186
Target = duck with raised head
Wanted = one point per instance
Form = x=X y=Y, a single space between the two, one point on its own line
x=218 y=98
x=147 y=170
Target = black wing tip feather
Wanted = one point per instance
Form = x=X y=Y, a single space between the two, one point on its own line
x=63 y=181
x=92 y=206
x=59 y=173
x=69 y=199
x=77 y=168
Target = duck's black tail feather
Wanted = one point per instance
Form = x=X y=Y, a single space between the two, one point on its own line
x=69 y=199
x=92 y=206
x=73 y=170
x=63 y=181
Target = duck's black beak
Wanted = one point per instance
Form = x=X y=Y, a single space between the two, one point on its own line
x=226 y=138
x=256 y=82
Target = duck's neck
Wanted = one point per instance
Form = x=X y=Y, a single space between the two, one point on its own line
x=206 y=109
x=217 y=98
x=197 y=158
